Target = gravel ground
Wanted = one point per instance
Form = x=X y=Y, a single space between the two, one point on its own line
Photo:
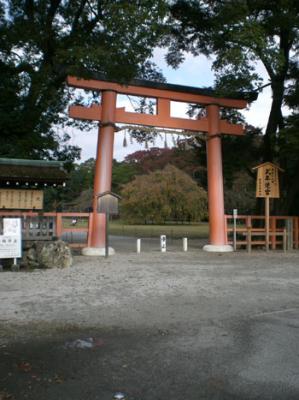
x=176 y=326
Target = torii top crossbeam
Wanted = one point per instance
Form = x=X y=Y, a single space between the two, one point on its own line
x=164 y=94
x=109 y=115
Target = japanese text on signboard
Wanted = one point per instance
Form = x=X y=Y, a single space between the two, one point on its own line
x=11 y=240
x=267 y=184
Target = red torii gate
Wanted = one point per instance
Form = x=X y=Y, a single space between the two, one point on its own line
x=108 y=115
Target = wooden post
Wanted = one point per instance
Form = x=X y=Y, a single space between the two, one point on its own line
x=249 y=240
x=226 y=232
x=59 y=226
x=267 y=185
x=284 y=240
x=90 y=218
x=273 y=232
x=235 y=214
x=106 y=236
x=296 y=232
x=267 y=217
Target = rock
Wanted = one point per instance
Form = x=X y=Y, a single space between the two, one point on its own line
x=56 y=255
x=47 y=254
x=31 y=254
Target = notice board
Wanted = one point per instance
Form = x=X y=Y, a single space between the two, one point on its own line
x=21 y=199
x=11 y=240
x=267 y=183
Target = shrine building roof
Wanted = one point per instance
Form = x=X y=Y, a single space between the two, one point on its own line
x=21 y=173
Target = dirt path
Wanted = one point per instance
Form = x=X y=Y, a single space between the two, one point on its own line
x=156 y=326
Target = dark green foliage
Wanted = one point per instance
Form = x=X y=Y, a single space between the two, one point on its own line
x=289 y=149
x=242 y=36
x=78 y=194
x=81 y=179
x=122 y=173
x=43 y=41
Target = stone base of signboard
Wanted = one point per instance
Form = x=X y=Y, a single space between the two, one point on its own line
x=213 y=248
x=97 y=251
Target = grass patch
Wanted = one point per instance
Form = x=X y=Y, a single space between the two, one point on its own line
x=200 y=230
x=118 y=227
x=80 y=223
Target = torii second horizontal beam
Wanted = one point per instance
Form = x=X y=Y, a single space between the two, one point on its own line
x=94 y=113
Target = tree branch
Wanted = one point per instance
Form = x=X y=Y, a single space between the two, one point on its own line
x=29 y=9
x=77 y=16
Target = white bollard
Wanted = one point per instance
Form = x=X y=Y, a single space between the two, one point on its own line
x=185 y=244
x=163 y=243
x=138 y=246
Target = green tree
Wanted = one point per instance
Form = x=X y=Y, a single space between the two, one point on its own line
x=242 y=35
x=78 y=193
x=80 y=180
x=245 y=37
x=240 y=194
x=41 y=42
x=163 y=195
x=122 y=173
x=290 y=152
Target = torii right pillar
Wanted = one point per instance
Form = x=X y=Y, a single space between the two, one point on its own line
x=218 y=237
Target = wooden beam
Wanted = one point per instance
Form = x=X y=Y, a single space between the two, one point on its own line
x=160 y=121
x=122 y=116
x=93 y=113
x=141 y=91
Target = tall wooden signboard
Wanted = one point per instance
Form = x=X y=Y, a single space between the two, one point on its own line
x=267 y=186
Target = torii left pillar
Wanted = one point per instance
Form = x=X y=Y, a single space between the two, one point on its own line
x=215 y=184
x=103 y=175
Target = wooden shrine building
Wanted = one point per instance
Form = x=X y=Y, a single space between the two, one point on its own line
x=22 y=182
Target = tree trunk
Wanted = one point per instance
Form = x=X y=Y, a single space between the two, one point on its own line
x=275 y=120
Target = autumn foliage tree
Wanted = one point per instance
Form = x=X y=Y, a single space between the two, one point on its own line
x=186 y=159
x=161 y=196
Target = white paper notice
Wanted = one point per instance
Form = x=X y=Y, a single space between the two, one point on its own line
x=12 y=226
x=11 y=240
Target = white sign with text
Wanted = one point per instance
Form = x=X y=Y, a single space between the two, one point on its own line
x=11 y=240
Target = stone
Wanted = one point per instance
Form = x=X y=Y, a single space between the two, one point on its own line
x=56 y=255
x=225 y=248
x=97 y=251
x=47 y=254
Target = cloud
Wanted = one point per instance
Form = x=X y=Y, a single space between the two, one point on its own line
x=194 y=71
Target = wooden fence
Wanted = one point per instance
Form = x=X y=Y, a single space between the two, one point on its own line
x=47 y=225
x=252 y=228
x=50 y=225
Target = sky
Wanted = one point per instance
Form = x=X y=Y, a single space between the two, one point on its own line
x=194 y=71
